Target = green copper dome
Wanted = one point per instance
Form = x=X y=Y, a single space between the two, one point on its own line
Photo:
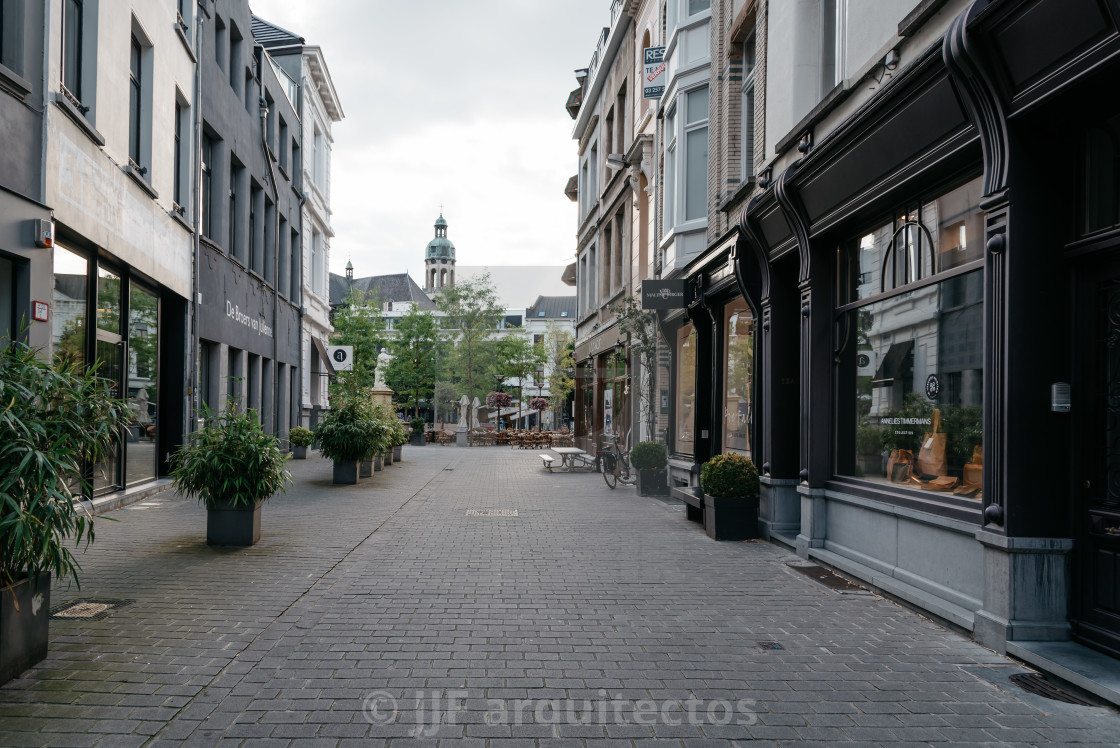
x=440 y=248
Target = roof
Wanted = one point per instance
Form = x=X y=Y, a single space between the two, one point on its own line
x=439 y=247
x=398 y=287
x=554 y=307
x=269 y=35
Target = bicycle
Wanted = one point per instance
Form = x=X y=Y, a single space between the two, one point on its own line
x=615 y=463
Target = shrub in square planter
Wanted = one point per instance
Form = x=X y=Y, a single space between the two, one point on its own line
x=650 y=459
x=232 y=465
x=55 y=415
x=730 y=484
x=300 y=439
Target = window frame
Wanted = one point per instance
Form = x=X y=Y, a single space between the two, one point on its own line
x=747 y=100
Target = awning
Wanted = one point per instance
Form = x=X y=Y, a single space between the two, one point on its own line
x=572 y=188
x=569 y=275
x=895 y=365
x=322 y=349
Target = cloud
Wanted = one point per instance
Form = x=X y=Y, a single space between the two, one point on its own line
x=459 y=103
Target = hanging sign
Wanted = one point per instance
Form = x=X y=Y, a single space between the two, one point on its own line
x=665 y=294
x=342 y=357
x=653 y=72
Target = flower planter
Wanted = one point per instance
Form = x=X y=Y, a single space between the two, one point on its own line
x=387 y=459
x=299 y=453
x=345 y=473
x=730 y=518
x=418 y=440
x=365 y=468
x=378 y=462
x=652 y=483
x=233 y=525
x=397 y=452
x=25 y=611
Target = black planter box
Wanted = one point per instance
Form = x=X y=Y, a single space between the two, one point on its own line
x=299 y=453
x=23 y=634
x=731 y=519
x=233 y=525
x=397 y=452
x=345 y=473
x=365 y=468
x=378 y=462
x=652 y=483
x=387 y=460
x=418 y=440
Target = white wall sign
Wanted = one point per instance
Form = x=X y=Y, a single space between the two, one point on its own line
x=342 y=357
x=653 y=72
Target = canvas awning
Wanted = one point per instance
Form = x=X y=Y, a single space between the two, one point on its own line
x=322 y=349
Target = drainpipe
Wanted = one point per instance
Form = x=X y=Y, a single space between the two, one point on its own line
x=196 y=239
x=263 y=108
x=298 y=170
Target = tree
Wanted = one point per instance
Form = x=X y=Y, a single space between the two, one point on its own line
x=473 y=314
x=359 y=323
x=412 y=373
x=445 y=393
x=641 y=326
x=560 y=347
x=517 y=356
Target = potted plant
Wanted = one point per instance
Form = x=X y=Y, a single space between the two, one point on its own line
x=348 y=434
x=416 y=436
x=650 y=459
x=400 y=437
x=233 y=466
x=300 y=439
x=55 y=417
x=730 y=484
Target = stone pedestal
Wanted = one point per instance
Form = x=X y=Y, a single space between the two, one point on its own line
x=382 y=396
x=461 y=438
x=780 y=508
x=1026 y=590
x=814 y=520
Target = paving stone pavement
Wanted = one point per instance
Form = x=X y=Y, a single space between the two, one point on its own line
x=382 y=614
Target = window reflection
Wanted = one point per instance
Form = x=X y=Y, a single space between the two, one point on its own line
x=738 y=344
x=686 y=389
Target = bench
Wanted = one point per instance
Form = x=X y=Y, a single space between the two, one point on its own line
x=693 y=497
x=547 y=460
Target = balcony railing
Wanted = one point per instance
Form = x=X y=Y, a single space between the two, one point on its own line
x=597 y=58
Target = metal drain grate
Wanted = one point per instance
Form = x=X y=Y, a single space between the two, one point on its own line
x=770 y=645
x=826 y=577
x=88 y=609
x=492 y=513
x=1039 y=686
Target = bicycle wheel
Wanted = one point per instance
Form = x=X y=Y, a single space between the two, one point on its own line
x=628 y=475
x=610 y=471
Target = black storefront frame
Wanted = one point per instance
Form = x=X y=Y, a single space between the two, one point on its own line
x=171 y=327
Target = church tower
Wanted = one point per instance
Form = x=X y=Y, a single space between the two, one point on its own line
x=439 y=260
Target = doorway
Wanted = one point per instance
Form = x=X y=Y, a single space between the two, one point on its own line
x=1096 y=463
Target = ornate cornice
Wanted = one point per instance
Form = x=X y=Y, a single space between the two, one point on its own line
x=788 y=200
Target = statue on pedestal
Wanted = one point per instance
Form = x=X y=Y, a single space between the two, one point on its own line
x=474 y=413
x=383 y=361
x=464 y=413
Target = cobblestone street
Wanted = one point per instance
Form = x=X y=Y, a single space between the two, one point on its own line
x=571 y=615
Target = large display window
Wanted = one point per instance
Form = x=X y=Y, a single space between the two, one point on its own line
x=911 y=330
x=738 y=376
x=685 y=416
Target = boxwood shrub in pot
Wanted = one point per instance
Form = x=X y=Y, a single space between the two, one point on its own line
x=55 y=418
x=416 y=434
x=300 y=439
x=730 y=484
x=400 y=437
x=650 y=459
x=233 y=466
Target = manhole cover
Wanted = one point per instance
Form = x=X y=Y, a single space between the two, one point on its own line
x=492 y=513
x=826 y=577
x=87 y=609
x=1039 y=686
x=770 y=645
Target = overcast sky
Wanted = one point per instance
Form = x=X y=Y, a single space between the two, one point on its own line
x=452 y=102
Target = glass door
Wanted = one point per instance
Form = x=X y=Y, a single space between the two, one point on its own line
x=108 y=355
x=141 y=444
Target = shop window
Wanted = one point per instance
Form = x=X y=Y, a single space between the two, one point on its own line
x=9 y=329
x=910 y=375
x=585 y=398
x=69 y=304
x=685 y=417
x=143 y=385
x=738 y=376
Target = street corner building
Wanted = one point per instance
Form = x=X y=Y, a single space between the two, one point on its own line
x=890 y=233
x=159 y=213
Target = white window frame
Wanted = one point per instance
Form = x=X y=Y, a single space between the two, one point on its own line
x=747 y=101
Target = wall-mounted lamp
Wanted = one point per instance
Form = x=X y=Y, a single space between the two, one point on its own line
x=890 y=62
x=806 y=143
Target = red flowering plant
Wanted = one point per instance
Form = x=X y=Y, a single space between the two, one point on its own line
x=499 y=400
x=538 y=403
